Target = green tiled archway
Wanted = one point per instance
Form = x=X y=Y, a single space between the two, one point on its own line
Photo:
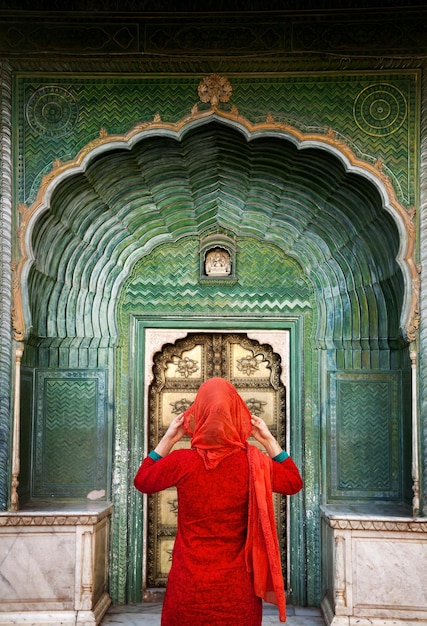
x=116 y=236
x=127 y=201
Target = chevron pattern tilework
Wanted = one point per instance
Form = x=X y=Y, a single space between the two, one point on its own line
x=167 y=280
x=365 y=434
x=71 y=433
x=375 y=113
x=27 y=395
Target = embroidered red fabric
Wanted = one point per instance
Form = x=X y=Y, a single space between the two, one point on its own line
x=220 y=424
x=226 y=556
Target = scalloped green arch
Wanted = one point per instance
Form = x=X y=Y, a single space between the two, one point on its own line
x=96 y=216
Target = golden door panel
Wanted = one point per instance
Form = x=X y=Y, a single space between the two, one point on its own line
x=179 y=370
x=164 y=556
x=243 y=363
x=189 y=364
x=167 y=510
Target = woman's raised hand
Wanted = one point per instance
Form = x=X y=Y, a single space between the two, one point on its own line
x=260 y=429
x=262 y=434
x=174 y=433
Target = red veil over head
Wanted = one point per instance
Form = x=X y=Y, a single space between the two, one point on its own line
x=219 y=423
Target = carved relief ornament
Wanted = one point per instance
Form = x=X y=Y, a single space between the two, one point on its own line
x=215 y=89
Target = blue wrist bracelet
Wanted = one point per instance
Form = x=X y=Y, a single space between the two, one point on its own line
x=154 y=455
x=281 y=456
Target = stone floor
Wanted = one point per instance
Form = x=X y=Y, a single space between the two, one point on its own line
x=148 y=614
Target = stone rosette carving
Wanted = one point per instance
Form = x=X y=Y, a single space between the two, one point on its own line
x=52 y=111
x=380 y=109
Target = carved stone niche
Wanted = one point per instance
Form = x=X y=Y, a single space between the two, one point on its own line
x=218 y=258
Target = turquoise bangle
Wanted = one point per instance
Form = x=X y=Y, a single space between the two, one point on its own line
x=155 y=455
x=281 y=456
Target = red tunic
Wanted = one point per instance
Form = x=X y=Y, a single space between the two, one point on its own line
x=208 y=584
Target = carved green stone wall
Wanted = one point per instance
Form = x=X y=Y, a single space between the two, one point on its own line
x=68 y=455
x=71 y=455
x=167 y=281
x=375 y=113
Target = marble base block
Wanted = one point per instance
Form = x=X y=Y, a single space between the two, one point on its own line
x=54 y=564
x=374 y=568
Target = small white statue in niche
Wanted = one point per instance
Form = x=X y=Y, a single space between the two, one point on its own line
x=218 y=262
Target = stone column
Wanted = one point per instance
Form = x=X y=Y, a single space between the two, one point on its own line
x=423 y=295
x=5 y=277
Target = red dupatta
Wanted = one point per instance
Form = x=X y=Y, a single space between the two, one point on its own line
x=219 y=423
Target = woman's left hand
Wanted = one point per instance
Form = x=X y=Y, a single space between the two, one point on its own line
x=262 y=434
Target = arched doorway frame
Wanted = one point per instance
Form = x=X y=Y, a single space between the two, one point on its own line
x=286 y=336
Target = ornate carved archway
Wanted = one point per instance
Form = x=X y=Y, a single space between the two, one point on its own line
x=213 y=90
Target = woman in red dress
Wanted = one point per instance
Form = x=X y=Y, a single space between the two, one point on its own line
x=226 y=555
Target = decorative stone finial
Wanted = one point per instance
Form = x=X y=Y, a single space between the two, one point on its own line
x=215 y=89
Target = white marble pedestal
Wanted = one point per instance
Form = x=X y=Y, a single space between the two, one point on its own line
x=374 y=567
x=54 y=564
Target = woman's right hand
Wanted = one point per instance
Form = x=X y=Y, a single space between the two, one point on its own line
x=174 y=433
x=175 y=430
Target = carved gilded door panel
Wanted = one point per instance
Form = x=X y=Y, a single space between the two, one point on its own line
x=179 y=370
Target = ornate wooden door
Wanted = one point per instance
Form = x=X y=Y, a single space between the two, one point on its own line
x=179 y=370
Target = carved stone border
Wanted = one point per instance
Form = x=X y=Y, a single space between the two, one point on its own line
x=414 y=526
x=63 y=518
